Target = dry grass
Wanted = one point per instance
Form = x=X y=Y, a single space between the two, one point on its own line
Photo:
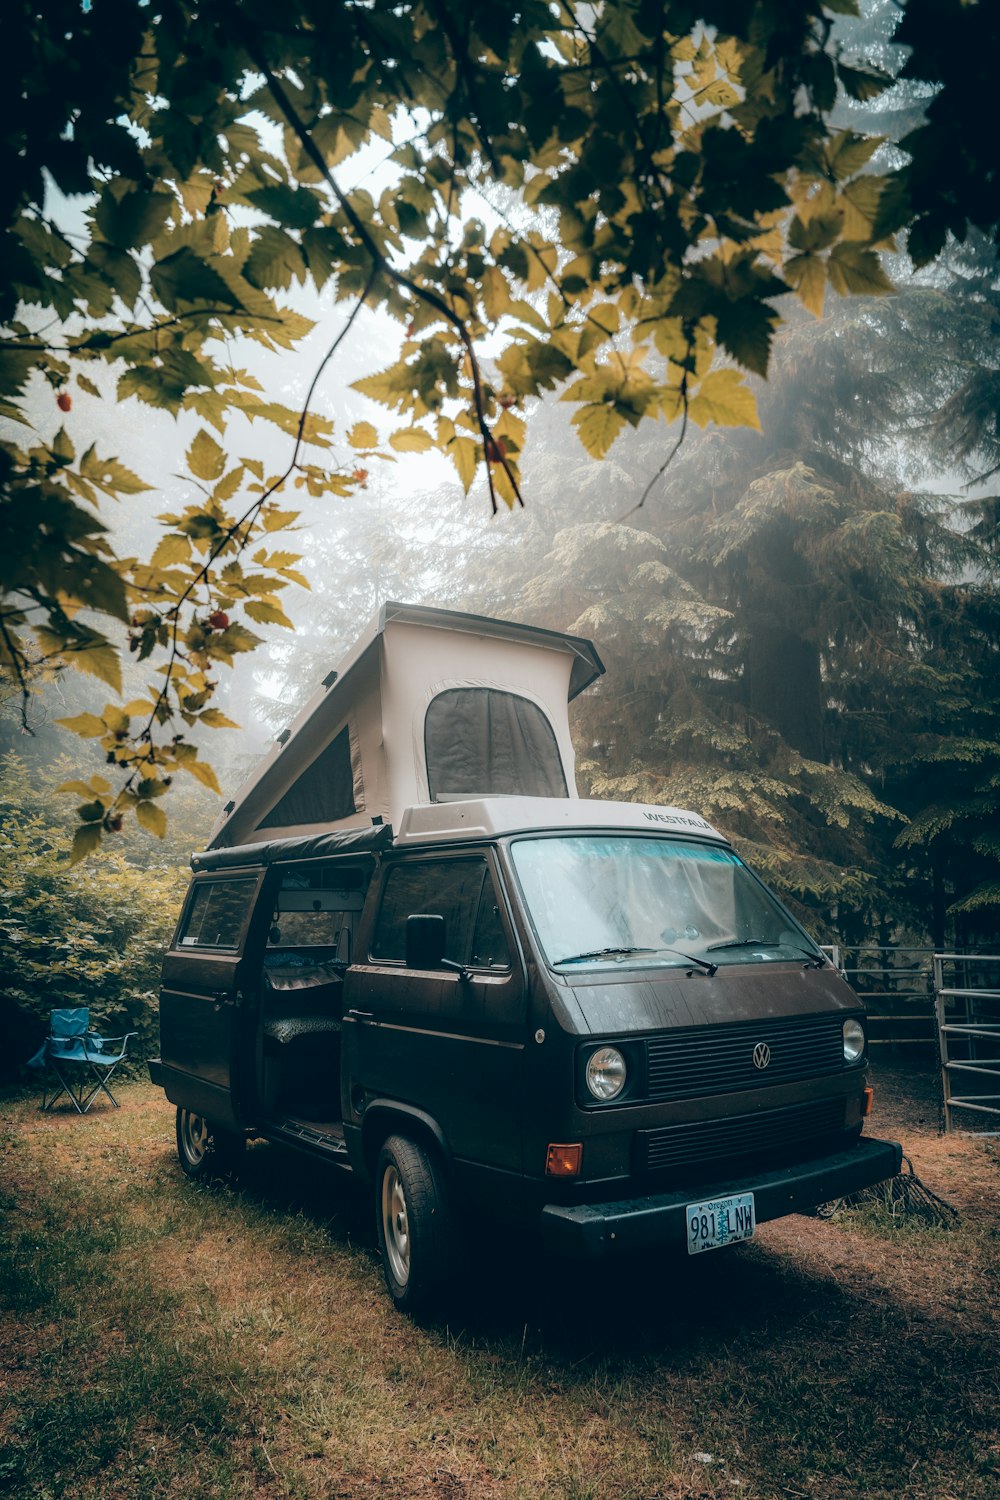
x=162 y=1339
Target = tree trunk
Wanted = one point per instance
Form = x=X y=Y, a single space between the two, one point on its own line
x=784 y=685
x=938 y=919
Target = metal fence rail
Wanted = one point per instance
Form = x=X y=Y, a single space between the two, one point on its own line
x=897 y=987
x=967 y=1006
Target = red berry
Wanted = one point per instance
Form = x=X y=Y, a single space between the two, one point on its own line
x=218 y=620
x=64 y=401
x=115 y=823
x=495 y=450
x=506 y=399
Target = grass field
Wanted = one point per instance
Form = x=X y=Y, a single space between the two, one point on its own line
x=161 y=1338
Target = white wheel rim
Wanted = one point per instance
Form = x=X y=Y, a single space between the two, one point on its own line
x=194 y=1137
x=395 y=1226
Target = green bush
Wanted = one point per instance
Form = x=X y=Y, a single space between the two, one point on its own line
x=91 y=934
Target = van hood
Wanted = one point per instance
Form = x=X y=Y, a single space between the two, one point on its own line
x=737 y=992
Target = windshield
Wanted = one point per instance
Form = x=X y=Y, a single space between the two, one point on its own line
x=598 y=899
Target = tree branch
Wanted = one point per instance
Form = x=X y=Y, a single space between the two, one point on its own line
x=667 y=461
x=381 y=262
x=245 y=520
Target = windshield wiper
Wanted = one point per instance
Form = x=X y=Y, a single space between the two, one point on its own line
x=578 y=958
x=815 y=960
x=743 y=943
x=700 y=963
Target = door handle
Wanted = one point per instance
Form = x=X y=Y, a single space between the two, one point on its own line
x=364 y=1017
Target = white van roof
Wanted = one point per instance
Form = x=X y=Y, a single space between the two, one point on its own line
x=470 y=819
x=492 y=817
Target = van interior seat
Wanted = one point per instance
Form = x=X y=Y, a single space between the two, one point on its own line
x=285 y=1029
x=303 y=994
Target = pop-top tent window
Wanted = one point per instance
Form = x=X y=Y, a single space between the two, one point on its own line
x=322 y=794
x=479 y=742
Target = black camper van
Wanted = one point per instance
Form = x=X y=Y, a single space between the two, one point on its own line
x=588 y=1017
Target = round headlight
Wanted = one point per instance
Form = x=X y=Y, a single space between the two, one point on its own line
x=606 y=1073
x=854 y=1040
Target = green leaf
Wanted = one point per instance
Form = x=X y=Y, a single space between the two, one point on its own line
x=267 y=612
x=85 y=841
x=848 y=152
x=109 y=475
x=216 y=719
x=363 y=435
x=724 y=398
x=862 y=83
x=205 y=458
x=860 y=201
x=100 y=661
x=236 y=638
x=464 y=454
x=275 y=260
x=816 y=233
x=598 y=424
x=202 y=771
x=183 y=278
x=152 y=818
x=171 y=549
x=411 y=440
x=88 y=726
x=129 y=220
x=807 y=274
x=854 y=269
x=745 y=330
x=294 y=206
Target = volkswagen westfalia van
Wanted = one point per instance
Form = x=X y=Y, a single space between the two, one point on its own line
x=494 y=999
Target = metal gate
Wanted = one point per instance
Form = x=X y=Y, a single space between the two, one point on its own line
x=967 y=1004
x=897 y=987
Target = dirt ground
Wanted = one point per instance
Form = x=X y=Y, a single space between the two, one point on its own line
x=240 y=1342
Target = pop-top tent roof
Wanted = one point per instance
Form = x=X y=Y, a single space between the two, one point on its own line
x=429 y=706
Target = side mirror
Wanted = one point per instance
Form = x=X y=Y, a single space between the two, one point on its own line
x=425 y=939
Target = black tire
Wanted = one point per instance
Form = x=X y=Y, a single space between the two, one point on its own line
x=415 y=1226
x=205 y=1150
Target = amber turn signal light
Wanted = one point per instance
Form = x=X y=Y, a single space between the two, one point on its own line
x=564 y=1161
x=866 y=1102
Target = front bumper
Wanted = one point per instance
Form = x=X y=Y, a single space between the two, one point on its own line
x=591 y=1230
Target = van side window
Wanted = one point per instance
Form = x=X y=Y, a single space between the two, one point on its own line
x=461 y=891
x=216 y=915
x=318 y=906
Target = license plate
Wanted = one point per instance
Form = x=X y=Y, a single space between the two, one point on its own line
x=720 y=1221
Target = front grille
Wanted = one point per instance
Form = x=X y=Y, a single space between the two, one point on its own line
x=768 y=1130
x=719 y=1059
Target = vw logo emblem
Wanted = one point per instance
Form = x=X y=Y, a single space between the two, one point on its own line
x=761 y=1055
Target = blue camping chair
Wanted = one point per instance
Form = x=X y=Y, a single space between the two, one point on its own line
x=81 y=1061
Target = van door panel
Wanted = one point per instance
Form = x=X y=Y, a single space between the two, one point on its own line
x=202 y=994
x=452 y=1046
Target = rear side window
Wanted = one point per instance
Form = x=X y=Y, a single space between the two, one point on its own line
x=217 y=913
x=461 y=891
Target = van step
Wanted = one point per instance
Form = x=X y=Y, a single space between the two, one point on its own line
x=329 y=1138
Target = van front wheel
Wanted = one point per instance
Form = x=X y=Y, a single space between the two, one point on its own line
x=205 y=1150
x=415 y=1234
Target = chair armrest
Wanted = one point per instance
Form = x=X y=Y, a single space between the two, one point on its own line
x=108 y=1046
